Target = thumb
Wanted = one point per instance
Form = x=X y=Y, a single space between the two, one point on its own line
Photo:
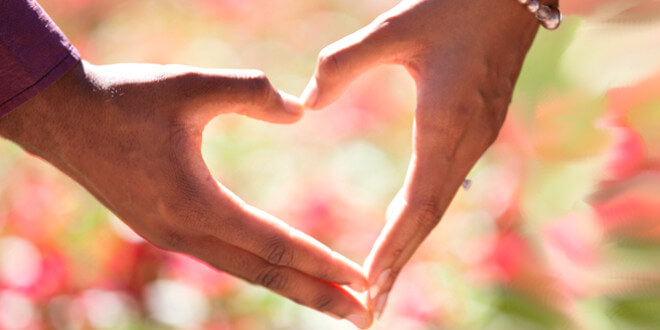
x=244 y=92
x=257 y=98
x=343 y=61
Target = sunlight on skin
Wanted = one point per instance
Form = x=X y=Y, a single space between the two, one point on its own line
x=463 y=92
x=518 y=232
x=152 y=117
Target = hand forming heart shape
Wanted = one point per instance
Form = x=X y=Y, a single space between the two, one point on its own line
x=465 y=57
x=131 y=135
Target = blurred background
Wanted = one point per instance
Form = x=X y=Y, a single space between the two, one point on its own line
x=561 y=228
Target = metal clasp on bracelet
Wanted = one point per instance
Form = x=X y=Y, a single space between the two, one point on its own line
x=550 y=17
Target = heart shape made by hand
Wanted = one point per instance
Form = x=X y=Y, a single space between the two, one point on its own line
x=131 y=135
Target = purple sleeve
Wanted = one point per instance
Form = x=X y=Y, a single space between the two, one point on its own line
x=34 y=53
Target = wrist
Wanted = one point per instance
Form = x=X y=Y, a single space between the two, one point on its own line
x=37 y=124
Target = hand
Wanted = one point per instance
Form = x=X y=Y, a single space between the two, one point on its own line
x=465 y=57
x=131 y=135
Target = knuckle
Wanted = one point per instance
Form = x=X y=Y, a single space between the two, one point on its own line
x=387 y=27
x=322 y=303
x=258 y=84
x=329 y=63
x=254 y=88
x=272 y=278
x=279 y=253
x=257 y=78
x=428 y=214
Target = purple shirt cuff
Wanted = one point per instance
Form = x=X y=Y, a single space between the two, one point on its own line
x=34 y=53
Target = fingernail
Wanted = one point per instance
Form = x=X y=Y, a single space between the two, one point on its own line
x=380 y=305
x=373 y=291
x=291 y=103
x=334 y=316
x=360 y=321
x=359 y=287
x=311 y=94
x=380 y=282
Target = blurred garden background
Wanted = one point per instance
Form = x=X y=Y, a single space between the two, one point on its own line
x=561 y=228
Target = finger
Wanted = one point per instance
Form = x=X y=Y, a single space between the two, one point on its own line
x=300 y=287
x=205 y=206
x=246 y=92
x=412 y=215
x=280 y=244
x=343 y=61
x=264 y=102
x=223 y=215
x=447 y=142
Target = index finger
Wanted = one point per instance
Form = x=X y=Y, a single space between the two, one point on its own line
x=280 y=244
x=301 y=288
x=246 y=227
x=445 y=147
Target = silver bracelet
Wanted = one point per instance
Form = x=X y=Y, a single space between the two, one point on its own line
x=550 y=17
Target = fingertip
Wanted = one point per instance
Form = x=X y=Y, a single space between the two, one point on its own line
x=310 y=95
x=358 y=286
x=292 y=104
x=379 y=305
x=362 y=321
x=358 y=281
x=379 y=283
x=292 y=99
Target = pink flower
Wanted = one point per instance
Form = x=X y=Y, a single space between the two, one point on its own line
x=198 y=273
x=631 y=207
x=627 y=156
x=508 y=257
